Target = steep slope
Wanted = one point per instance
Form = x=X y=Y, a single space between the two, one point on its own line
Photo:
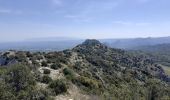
x=160 y=53
x=109 y=59
x=103 y=70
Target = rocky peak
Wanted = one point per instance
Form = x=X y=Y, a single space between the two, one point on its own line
x=91 y=42
x=91 y=45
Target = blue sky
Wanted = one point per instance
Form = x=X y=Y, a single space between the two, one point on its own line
x=25 y=19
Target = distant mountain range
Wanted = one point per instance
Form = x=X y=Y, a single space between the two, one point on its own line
x=135 y=42
x=155 y=48
x=57 y=44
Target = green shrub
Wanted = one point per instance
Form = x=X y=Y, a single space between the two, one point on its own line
x=69 y=73
x=44 y=64
x=46 y=79
x=34 y=62
x=5 y=92
x=20 y=77
x=34 y=94
x=56 y=66
x=18 y=83
x=47 y=71
x=28 y=54
x=87 y=82
x=58 y=86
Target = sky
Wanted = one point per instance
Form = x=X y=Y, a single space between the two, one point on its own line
x=26 y=19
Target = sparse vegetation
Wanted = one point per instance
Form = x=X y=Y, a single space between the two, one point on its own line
x=18 y=83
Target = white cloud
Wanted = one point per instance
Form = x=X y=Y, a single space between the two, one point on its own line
x=132 y=23
x=142 y=23
x=18 y=12
x=78 y=18
x=122 y=22
x=142 y=1
x=8 y=11
x=71 y=16
x=86 y=12
x=57 y=2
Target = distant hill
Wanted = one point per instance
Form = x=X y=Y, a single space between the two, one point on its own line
x=135 y=42
x=159 y=52
x=164 y=48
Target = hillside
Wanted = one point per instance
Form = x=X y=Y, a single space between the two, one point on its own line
x=89 y=71
x=160 y=53
x=155 y=48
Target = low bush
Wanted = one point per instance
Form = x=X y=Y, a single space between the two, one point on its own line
x=44 y=64
x=46 y=79
x=69 y=73
x=56 y=66
x=91 y=86
x=47 y=71
x=58 y=86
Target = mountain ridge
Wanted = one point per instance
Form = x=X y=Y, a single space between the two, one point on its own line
x=92 y=69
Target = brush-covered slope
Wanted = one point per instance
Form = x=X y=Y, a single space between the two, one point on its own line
x=89 y=71
x=160 y=53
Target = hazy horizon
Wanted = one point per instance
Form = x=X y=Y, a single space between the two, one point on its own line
x=62 y=39
x=83 y=19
